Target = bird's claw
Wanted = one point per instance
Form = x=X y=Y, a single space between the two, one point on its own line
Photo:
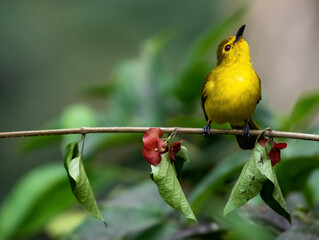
x=246 y=130
x=206 y=130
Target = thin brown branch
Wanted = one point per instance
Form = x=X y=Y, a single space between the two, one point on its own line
x=87 y=130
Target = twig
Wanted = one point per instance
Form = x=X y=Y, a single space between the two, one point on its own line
x=87 y=130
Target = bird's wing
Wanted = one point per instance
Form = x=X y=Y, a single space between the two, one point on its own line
x=204 y=97
x=260 y=87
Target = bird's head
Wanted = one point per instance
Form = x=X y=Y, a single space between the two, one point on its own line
x=233 y=49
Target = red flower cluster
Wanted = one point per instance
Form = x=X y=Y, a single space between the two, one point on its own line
x=153 y=146
x=274 y=153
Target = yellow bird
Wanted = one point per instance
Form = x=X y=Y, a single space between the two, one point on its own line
x=232 y=89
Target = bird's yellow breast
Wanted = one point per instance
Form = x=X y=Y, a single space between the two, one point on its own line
x=231 y=93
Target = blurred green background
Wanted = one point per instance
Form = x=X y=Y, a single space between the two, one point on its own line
x=142 y=63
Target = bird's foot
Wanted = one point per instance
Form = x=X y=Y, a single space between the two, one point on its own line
x=206 y=129
x=246 y=130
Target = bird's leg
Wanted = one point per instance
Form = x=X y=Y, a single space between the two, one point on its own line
x=246 y=129
x=206 y=129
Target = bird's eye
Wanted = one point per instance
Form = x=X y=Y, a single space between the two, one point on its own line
x=227 y=47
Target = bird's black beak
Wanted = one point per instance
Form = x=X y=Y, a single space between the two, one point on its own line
x=240 y=33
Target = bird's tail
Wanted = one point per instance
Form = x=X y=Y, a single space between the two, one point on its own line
x=244 y=141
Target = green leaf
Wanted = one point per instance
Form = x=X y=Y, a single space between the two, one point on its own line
x=248 y=185
x=79 y=181
x=268 y=147
x=305 y=107
x=164 y=176
x=271 y=192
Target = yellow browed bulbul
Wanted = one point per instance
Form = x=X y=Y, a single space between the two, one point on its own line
x=232 y=89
